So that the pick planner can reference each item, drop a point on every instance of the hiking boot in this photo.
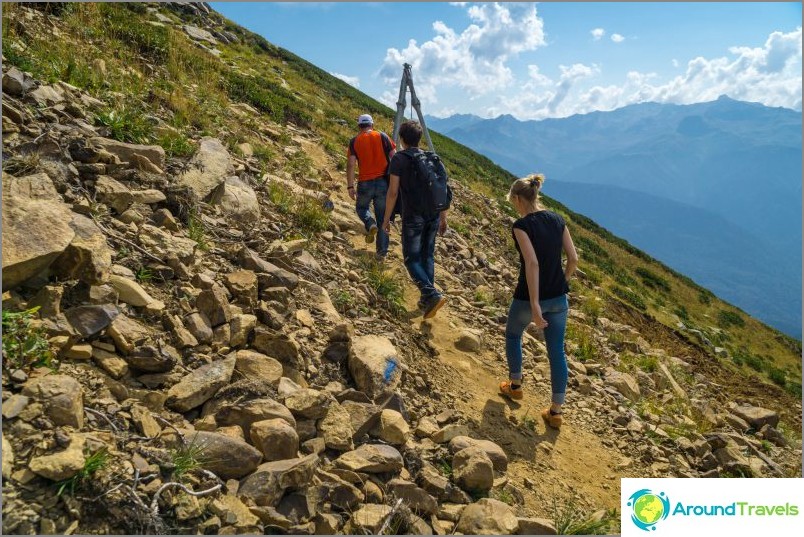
(551, 418)
(372, 234)
(511, 393)
(432, 306)
(380, 258)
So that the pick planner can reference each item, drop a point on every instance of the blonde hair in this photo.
(527, 188)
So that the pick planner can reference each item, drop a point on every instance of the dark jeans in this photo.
(418, 249)
(369, 192)
(554, 311)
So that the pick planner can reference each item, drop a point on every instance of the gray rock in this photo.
(473, 470)
(275, 438)
(536, 526)
(127, 333)
(278, 345)
(91, 320)
(130, 291)
(199, 34)
(199, 326)
(17, 83)
(126, 152)
(243, 286)
(497, 455)
(225, 456)
(414, 497)
(88, 257)
(469, 340)
(336, 428)
(246, 413)
(241, 327)
(215, 305)
(392, 428)
(153, 359)
(252, 364)
(488, 517)
(757, 417)
(36, 227)
(369, 518)
(371, 459)
(307, 403)
(374, 365)
(271, 480)
(272, 276)
(61, 396)
(200, 385)
(113, 193)
(364, 416)
(208, 169)
(238, 201)
(623, 383)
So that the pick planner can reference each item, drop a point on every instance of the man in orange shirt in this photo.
(371, 150)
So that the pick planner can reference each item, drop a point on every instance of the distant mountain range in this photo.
(712, 189)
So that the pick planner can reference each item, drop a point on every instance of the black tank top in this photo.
(545, 229)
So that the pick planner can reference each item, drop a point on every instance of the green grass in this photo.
(281, 197)
(176, 144)
(21, 165)
(186, 458)
(25, 345)
(503, 495)
(126, 124)
(727, 319)
(197, 231)
(93, 463)
(570, 519)
(144, 274)
(342, 300)
(310, 217)
(386, 284)
(629, 297)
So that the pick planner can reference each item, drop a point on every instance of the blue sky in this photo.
(549, 59)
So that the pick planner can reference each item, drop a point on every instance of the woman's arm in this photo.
(531, 274)
(572, 255)
(390, 202)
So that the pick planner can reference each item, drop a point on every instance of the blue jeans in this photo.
(369, 192)
(554, 311)
(418, 249)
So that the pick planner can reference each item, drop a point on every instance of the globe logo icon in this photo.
(648, 508)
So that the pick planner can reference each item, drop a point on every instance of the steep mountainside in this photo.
(197, 340)
(736, 160)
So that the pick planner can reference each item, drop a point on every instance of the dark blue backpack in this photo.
(432, 176)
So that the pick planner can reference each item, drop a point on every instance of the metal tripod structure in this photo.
(401, 104)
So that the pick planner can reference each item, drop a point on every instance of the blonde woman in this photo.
(541, 293)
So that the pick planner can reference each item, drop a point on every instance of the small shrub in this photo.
(504, 495)
(186, 458)
(92, 464)
(652, 280)
(144, 274)
(570, 520)
(727, 319)
(197, 231)
(176, 144)
(385, 284)
(630, 297)
(310, 217)
(21, 164)
(682, 313)
(705, 297)
(342, 300)
(126, 124)
(25, 346)
(777, 376)
(280, 197)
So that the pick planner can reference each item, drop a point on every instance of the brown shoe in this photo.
(553, 420)
(511, 393)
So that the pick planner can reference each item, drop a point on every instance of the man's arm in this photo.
(350, 176)
(390, 202)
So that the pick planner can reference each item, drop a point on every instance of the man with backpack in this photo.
(372, 151)
(420, 178)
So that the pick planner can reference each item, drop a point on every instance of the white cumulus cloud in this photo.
(475, 58)
(769, 74)
(617, 38)
(351, 80)
(598, 33)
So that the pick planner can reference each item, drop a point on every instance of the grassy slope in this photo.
(157, 71)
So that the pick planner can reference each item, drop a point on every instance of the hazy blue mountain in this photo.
(735, 264)
(740, 161)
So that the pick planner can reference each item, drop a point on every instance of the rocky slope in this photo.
(211, 349)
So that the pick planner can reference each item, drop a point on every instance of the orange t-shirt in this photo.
(370, 154)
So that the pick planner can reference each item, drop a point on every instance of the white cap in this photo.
(365, 119)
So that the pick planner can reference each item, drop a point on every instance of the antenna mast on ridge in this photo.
(401, 104)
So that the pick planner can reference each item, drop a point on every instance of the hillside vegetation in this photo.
(201, 309)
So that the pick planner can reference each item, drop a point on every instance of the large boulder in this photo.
(308, 403)
(62, 464)
(498, 457)
(756, 416)
(36, 227)
(473, 470)
(214, 303)
(195, 388)
(247, 413)
(414, 497)
(208, 169)
(488, 517)
(249, 260)
(278, 345)
(226, 456)
(17, 83)
(61, 396)
(127, 333)
(126, 152)
(165, 245)
(113, 193)
(374, 365)
(371, 459)
(238, 201)
(275, 438)
(392, 427)
(623, 383)
(271, 480)
(255, 365)
(88, 258)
